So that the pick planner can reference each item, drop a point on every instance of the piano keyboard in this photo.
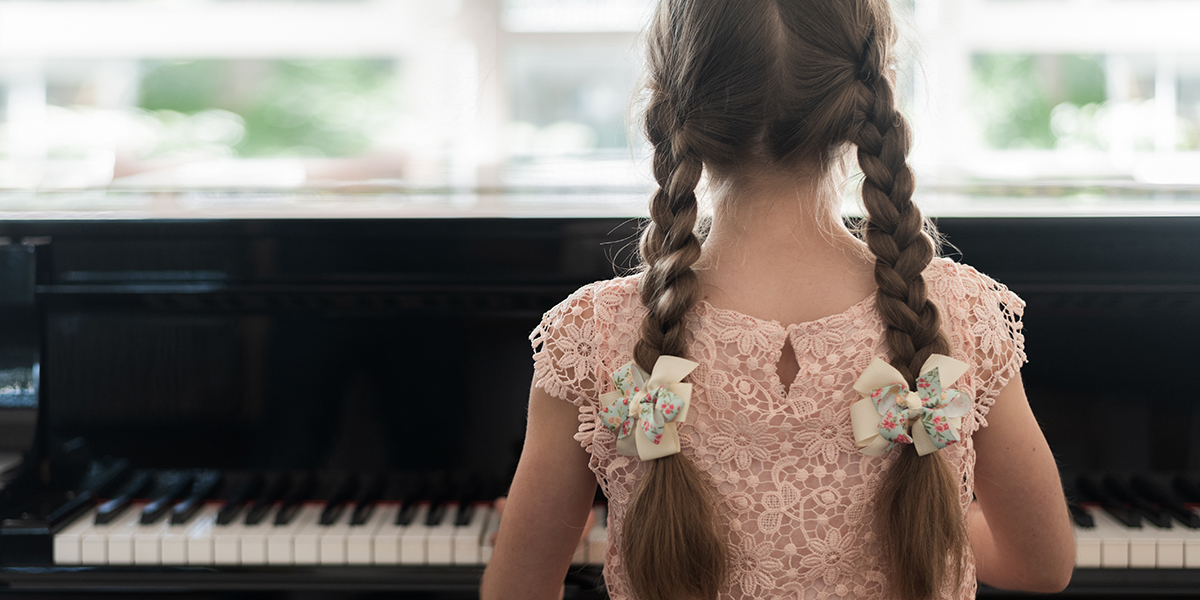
(1138, 522)
(277, 519)
(458, 538)
(1110, 544)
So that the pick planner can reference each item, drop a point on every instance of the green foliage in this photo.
(1015, 94)
(290, 108)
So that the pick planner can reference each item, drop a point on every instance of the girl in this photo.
(783, 485)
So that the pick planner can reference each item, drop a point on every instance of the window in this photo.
(536, 95)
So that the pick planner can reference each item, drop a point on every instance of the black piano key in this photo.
(466, 511)
(203, 486)
(362, 514)
(1166, 500)
(238, 496)
(364, 505)
(1155, 515)
(171, 487)
(113, 508)
(1080, 516)
(469, 490)
(101, 477)
(72, 508)
(1092, 490)
(437, 513)
(407, 513)
(273, 492)
(341, 493)
(412, 490)
(438, 498)
(294, 499)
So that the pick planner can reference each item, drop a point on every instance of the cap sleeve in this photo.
(566, 349)
(988, 332)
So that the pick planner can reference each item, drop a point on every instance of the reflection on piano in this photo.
(274, 405)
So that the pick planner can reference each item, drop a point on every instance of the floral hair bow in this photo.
(888, 410)
(653, 404)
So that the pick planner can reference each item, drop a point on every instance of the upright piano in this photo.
(267, 404)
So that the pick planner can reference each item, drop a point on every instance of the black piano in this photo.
(281, 405)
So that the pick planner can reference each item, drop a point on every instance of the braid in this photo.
(919, 550)
(675, 551)
(669, 246)
(895, 233)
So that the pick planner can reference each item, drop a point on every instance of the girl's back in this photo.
(798, 498)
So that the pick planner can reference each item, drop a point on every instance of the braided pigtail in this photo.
(710, 64)
(918, 501)
(675, 551)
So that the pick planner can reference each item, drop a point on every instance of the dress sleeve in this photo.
(566, 349)
(993, 328)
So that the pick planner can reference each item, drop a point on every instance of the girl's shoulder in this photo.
(595, 301)
(960, 283)
(983, 319)
(571, 341)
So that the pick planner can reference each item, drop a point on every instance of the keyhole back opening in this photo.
(787, 368)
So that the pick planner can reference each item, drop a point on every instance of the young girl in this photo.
(783, 410)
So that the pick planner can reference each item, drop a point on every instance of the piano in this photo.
(331, 405)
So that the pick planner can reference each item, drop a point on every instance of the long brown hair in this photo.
(785, 82)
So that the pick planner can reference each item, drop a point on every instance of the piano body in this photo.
(310, 404)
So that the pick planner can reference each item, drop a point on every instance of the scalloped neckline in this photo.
(852, 311)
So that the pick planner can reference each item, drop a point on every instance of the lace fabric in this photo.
(795, 495)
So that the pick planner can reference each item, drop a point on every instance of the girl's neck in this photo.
(779, 249)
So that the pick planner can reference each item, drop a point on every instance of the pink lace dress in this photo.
(796, 495)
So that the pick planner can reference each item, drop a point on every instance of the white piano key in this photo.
(597, 538)
(360, 548)
(173, 546)
(1191, 549)
(281, 544)
(93, 547)
(334, 537)
(413, 537)
(1169, 547)
(307, 544)
(227, 540)
(439, 542)
(1087, 547)
(1143, 547)
(252, 539)
(67, 542)
(489, 533)
(385, 543)
(1114, 541)
(468, 538)
(120, 537)
(147, 542)
(201, 535)
(1191, 544)
(175, 539)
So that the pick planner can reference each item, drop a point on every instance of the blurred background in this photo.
(1088, 96)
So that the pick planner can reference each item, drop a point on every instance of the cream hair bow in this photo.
(653, 404)
(888, 410)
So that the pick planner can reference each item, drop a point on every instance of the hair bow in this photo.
(888, 410)
(655, 404)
